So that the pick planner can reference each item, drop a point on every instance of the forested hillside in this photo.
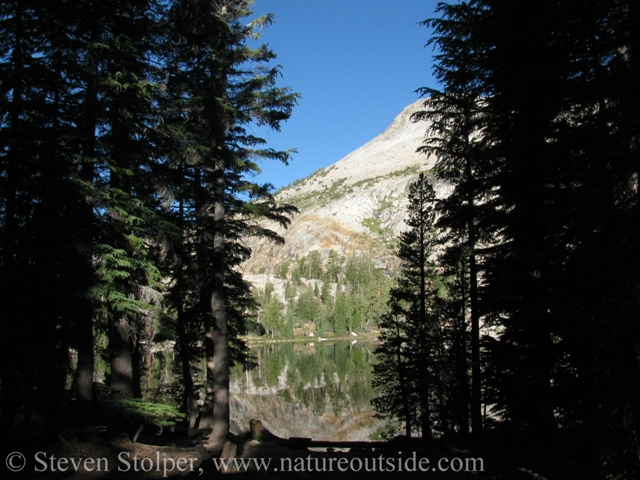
(314, 297)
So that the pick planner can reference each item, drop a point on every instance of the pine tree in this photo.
(394, 375)
(333, 267)
(454, 136)
(127, 266)
(410, 332)
(553, 182)
(342, 311)
(325, 294)
(227, 88)
(45, 230)
(126, 150)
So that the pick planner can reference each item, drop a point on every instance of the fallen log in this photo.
(261, 433)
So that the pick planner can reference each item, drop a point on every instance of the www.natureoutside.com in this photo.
(356, 464)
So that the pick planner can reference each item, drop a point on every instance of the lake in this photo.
(319, 390)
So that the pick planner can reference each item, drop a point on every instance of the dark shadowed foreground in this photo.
(260, 454)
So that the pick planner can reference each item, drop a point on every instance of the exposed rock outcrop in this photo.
(356, 204)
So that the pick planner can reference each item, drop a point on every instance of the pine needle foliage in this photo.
(405, 373)
(129, 143)
(535, 123)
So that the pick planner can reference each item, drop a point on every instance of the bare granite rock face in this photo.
(356, 204)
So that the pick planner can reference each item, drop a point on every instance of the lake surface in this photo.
(320, 390)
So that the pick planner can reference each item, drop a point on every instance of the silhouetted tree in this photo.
(394, 379)
(227, 89)
(410, 332)
(124, 162)
(537, 97)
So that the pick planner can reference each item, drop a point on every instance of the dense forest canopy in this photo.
(126, 150)
(536, 124)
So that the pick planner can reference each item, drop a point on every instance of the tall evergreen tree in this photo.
(128, 89)
(219, 87)
(394, 376)
(42, 236)
(125, 152)
(556, 192)
(455, 137)
(410, 332)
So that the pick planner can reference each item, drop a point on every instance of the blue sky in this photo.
(356, 63)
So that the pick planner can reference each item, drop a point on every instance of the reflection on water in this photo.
(321, 390)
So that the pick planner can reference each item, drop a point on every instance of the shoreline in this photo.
(367, 337)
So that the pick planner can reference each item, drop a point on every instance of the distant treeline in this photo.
(337, 295)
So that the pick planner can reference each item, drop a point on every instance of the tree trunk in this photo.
(136, 368)
(121, 365)
(462, 365)
(190, 399)
(84, 371)
(85, 368)
(406, 405)
(216, 330)
(476, 385)
(423, 357)
(9, 267)
(476, 379)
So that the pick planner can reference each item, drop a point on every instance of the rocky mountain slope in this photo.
(356, 204)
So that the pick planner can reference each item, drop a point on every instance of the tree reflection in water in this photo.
(320, 390)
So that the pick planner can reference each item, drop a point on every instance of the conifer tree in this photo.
(125, 188)
(454, 136)
(410, 332)
(125, 152)
(548, 98)
(394, 375)
(227, 88)
(43, 227)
